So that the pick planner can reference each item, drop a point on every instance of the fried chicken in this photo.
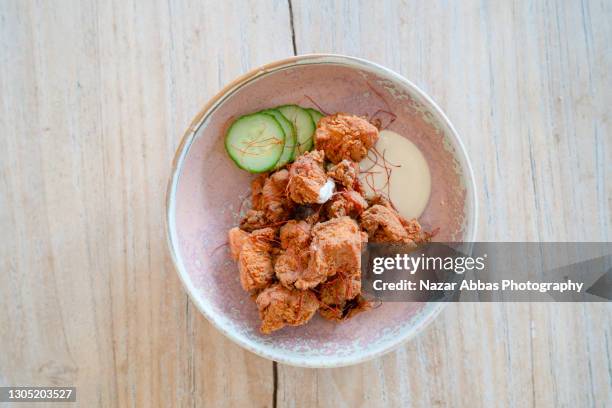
(413, 228)
(345, 311)
(336, 293)
(257, 191)
(382, 200)
(253, 220)
(308, 183)
(349, 203)
(295, 234)
(270, 203)
(335, 247)
(255, 260)
(274, 199)
(345, 173)
(236, 238)
(279, 306)
(342, 136)
(299, 246)
(384, 224)
(340, 288)
(415, 231)
(293, 260)
(290, 266)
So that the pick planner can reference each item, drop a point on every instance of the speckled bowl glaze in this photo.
(206, 195)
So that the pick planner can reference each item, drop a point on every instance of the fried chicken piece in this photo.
(349, 203)
(342, 136)
(383, 225)
(336, 293)
(341, 288)
(255, 260)
(382, 200)
(345, 173)
(254, 220)
(334, 313)
(308, 182)
(257, 185)
(346, 311)
(295, 234)
(293, 261)
(290, 266)
(309, 213)
(335, 247)
(314, 218)
(415, 231)
(412, 227)
(355, 306)
(279, 306)
(236, 238)
(274, 200)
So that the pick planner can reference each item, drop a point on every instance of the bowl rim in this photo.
(431, 309)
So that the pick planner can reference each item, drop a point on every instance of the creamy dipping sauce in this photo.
(409, 184)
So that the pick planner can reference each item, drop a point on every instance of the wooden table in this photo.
(94, 98)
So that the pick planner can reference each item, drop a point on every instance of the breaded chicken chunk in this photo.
(349, 203)
(295, 233)
(382, 200)
(308, 183)
(342, 136)
(253, 220)
(340, 296)
(415, 231)
(255, 260)
(257, 191)
(345, 173)
(290, 266)
(336, 293)
(413, 228)
(384, 224)
(309, 213)
(279, 306)
(270, 203)
(335, 248)
(340, 288)
(236, 238)
(274, 199)
(345, 311)
(292, 263)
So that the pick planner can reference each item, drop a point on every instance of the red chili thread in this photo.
(317, 105)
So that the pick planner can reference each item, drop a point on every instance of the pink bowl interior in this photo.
(208, 195)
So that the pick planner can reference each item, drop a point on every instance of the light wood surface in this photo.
(94, 96)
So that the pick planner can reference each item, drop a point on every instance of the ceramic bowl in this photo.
(207, 192)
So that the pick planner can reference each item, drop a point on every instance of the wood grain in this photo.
(526, 84)
(94, 97)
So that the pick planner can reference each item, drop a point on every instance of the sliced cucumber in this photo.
(304, 126)
(315, 115)
(255, 142)
(290, 137)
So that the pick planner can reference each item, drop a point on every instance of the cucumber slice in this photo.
(315, 115)
(255, 142)
(290, 137)
(304, 126)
